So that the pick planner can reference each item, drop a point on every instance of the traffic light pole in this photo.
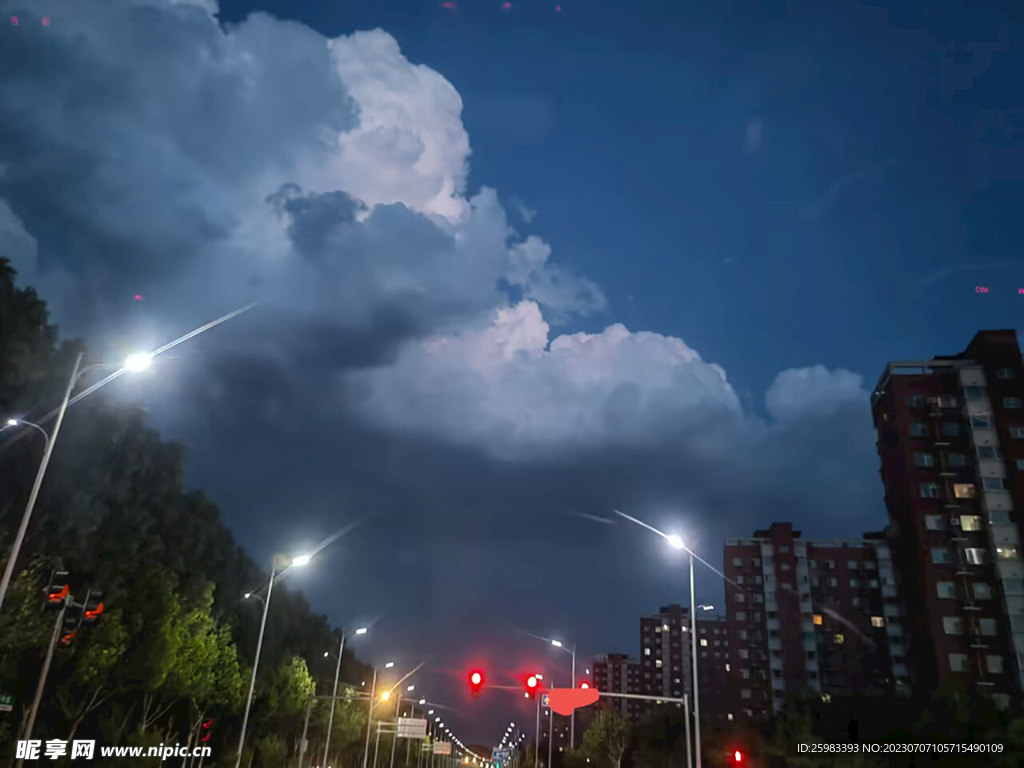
(330, 719)
(304, 744)
(43, 675)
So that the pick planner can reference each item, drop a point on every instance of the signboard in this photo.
(6, 702)
(412, 728)
(442, 747)
(545, 701)
(500, 755)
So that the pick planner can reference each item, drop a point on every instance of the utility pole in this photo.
(304, 744)
(54, 636)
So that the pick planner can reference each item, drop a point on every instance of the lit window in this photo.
(953, 625)
(729, 716)
(1007, 553)
(726, 667)
(657, 663)
(940, 555)
(647, 651)
(994, 664)
(1011, 402)
(839, 639)
(924, 460)
(933, 522)
(958, 662)
(976, 556)
(665, 627)
(929, 490)
(964, 490)
(704, 642)
(877, 621)
(946, 590)
(982, 591)
(970, 522)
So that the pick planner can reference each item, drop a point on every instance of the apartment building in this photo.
(665, 656)
(950, 436)
(811, 617)
(713, 668)
(618, 673)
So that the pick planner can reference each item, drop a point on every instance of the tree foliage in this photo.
(608, 736)
(176, 641)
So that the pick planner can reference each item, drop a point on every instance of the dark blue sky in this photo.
(799, 196)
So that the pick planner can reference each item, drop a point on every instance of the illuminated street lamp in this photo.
(299, 561)
(135, 363)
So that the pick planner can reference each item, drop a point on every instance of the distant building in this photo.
(951, 442)
(713, 666)
(811, 616)
(665, 654)
(618, 673)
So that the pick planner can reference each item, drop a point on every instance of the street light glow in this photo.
(140, 361)
(556, 643)
(361, 631)
(302, 560)
(389, 665)
(12, 422)
(423, 701)
(676, 542)
(385, 695)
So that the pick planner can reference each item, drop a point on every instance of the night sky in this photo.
(517, 267)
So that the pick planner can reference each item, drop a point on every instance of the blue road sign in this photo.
(544, 700)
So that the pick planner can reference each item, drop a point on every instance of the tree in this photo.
(608, 736)
(661, 737)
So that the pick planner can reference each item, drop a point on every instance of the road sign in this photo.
(501, 755)
(412, 728)
(544, 701)
(6, 702)
(442, 747)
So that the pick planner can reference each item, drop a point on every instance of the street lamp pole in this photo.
(255, 665)
(572, 720)
(12, 556)
(334, 696)
(693, 647)
(369, 717)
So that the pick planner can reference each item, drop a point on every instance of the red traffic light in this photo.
(584, 684)
(476, 678)
(737, 757)
(207, 727)
(531, 681)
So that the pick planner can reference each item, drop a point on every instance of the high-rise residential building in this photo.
(811, 616)
(713, 668)
(665, 653)
(618, 673)
(950, 436)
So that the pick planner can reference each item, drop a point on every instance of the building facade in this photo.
(950, 437)
(619, 673)
(811, 617)
(713, 668)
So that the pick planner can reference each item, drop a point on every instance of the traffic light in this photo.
(737, 757)
(92, 608)
(476, 682)
(532, 685)
(584, 684)
(56, 591)
(207, 731)
(69, 627)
